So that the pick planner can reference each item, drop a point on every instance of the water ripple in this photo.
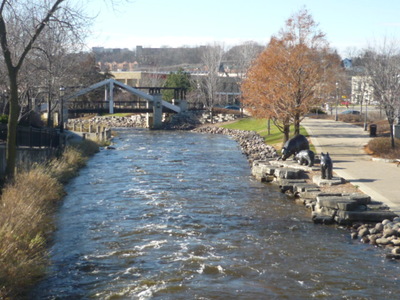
(177, 215)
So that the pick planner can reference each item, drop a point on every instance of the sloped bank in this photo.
(251, 143)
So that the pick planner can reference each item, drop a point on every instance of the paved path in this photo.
(344, 142)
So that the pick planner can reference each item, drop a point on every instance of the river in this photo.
(177, 215)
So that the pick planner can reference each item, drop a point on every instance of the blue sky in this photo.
(155, 23)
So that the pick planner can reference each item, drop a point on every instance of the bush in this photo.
(381, 147)
(24, 222)
(350, 118)
(221, 110)
(74, 157)
(317, 111)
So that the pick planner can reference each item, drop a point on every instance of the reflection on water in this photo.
(176, 215)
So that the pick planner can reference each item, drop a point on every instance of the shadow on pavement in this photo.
(361, 180)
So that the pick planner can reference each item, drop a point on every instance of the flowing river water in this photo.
(177, 215)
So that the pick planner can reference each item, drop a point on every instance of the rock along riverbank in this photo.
(251, 143)
(368, 220)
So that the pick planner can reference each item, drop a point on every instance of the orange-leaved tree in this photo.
(288, 78)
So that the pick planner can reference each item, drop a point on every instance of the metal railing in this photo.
(102, 106)
(33, 137)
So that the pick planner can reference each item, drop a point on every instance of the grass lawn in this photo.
(117, 115)
(275, 138)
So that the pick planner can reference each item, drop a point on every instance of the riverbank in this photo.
(26, 218)
(333, 201)
(250, 142)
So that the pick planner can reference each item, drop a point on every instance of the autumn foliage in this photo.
(291, 75)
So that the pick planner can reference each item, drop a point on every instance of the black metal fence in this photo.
(33, 137)
(103, 107)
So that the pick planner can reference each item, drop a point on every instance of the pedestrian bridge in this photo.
(150, 103)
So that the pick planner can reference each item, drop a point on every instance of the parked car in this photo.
(350, 112)
(234, 107)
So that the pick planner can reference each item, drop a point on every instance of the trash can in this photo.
(372, 130)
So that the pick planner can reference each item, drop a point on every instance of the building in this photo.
(347, 63)
(166, 56)
(118, 67)
(109, 50)
(362, 91)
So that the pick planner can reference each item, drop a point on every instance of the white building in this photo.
(361, 90)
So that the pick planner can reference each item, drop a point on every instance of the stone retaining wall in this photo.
(26, 157)
(109, 122)
(327, 208)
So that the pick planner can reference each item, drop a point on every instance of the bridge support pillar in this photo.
(181, 103)
(154, 120)
(157, 112)
(111, 98)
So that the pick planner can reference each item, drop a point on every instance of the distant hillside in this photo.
(149, 57)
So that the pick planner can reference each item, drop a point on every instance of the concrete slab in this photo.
(327, 182)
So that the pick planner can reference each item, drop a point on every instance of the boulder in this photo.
(288, 173)
(360, 198)
(286, 185)
(383, 241)
(305, 187)
(379, 227)
(322, 219)
(363, 232)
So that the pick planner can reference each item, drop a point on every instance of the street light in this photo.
(366, 113)
(337, 100)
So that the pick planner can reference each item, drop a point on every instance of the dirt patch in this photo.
(344, 188)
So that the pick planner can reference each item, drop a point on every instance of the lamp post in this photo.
(366, 114)
(62, 89)
(337, 101)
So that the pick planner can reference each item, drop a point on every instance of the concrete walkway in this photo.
(344, 142)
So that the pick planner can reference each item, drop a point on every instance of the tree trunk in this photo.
(286, 132)
(392, 143)
(11, 150)
(297, 124)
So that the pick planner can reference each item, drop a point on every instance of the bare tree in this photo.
(241, 57)
(21, 25)
(53, 62)
(212, 58)
(382, 65)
